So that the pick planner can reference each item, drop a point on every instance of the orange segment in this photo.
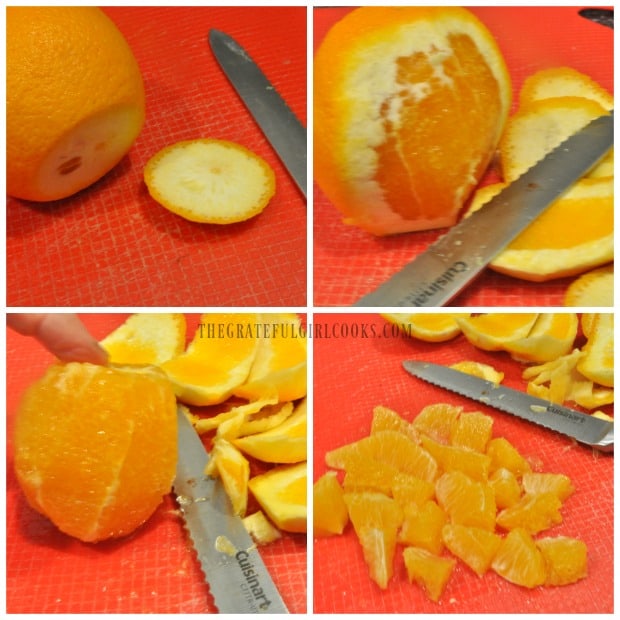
(376, 519)
(505, 456)
(216, 361)
(454, 458)
(282, 494)
(95, 447)
(422, 526)
(430, 571)
(409, 105)
(74, 99)
(389, 447)
(329, 511)
(466, 501)
(280, 363)
(437, 421)
(544, 482)
(210, 181)
(533, 513)
(474, 546)
(506, 487)
(566, 559)
(386, 419)
(472, 430)
(146, 339)
(519, 560)
(429, 327)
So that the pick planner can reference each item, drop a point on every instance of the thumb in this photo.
(64, 335)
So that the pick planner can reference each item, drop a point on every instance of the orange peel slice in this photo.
(210, 181)
(593, 289)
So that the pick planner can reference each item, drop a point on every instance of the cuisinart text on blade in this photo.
(437, 275)
(582, 427)
(237, 577)
(281, 127)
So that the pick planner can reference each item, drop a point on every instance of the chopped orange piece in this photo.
(472, 430)
(504, 455)
(210, 181)
(260, 528)
(506, 487)
(533, 512)
(370, 476)
(385, 419)
(430, 571)
(409, 105)
(437, 420)
(466, 501)
(329, 511)
(389, 447)
(519, 560)
(454, 458)
(539, 482)
(408, 490)
(474, 546)
(566, 559)
(376, 519)
(422, 526)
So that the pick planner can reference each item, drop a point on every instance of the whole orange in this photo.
(75, 99)
(95, 447)
(409, 106)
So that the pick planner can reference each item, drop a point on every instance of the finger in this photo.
(64, 335)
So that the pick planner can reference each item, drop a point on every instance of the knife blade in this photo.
(276, 120)
(437, 275)
(237, 577)
(582, 427)
(604, 17)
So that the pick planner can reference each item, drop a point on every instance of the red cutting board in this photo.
(112, 245)
(154, 570)
(357, 365)
(349, 263)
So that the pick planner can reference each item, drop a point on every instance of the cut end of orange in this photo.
(430, 327)
(409, 105)
(210, 181)
(592, 289)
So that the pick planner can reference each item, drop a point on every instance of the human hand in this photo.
(64, 335)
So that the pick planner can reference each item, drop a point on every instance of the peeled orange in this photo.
(75, 99)
(95, 447)
(409, 106)
(210, 181)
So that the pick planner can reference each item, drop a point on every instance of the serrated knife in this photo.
(236, 575)
(281, 127)
(443, 270)
(584, 428)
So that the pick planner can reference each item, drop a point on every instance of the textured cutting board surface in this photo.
(357, 365)
(349, 263)
(112, 245)
(154, 570)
